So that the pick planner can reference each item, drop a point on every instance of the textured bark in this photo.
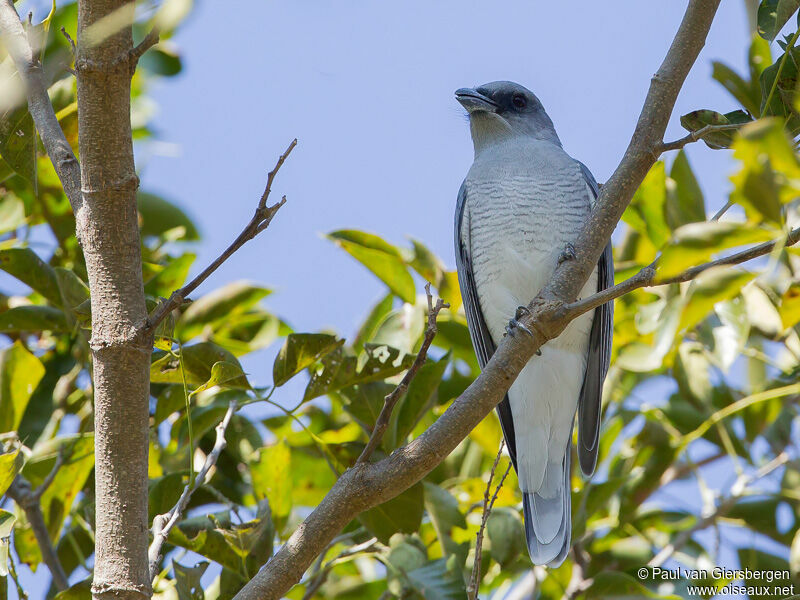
(367, 485)
(109, 235)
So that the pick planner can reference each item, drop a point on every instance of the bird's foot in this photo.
(514, 323)
(567, 254)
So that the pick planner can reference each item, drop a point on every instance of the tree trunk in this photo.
(108, 231)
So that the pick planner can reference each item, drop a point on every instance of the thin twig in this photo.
(391, 399)
(150, 40)
(260, 221)
(162, 524)
(30, 71)
(474, 580)
(647, 276)
(696, 136)
(738, 489)
(29, 500)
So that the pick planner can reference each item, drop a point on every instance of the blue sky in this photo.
(367, 88)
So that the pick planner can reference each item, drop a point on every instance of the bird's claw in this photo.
(567, 254)
(514, 323)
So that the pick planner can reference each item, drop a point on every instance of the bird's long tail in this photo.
(548, 521)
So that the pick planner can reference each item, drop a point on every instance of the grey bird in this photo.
(519, 209)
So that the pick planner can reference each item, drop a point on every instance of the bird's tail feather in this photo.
(548, 523)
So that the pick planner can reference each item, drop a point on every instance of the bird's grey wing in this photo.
(478, 331)
(599, 357)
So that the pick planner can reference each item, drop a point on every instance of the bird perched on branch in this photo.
(521, 205)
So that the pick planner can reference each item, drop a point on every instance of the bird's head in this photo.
(504, 109)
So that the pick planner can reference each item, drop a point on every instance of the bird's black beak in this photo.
(474, 101)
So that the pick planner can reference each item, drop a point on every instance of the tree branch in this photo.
(369, 484)
(391, 399)
(738, 489)
(475, 579)
(32, 76)
(28, 500)
(647, 277)
(162, 524)
(260, 221)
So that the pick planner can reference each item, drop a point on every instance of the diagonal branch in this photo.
(260, 221)
(369, 484)
(28, 500)
(162, 524)
(44, 117)
(391, 399)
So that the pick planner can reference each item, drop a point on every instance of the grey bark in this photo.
(108, 231)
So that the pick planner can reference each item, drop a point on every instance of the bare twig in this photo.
(29, 68)
(29, 500)
(260, 221)
(475, 578)
(695, 136)
(391, 399)
(150, 40)
(738, 489)
(162, 524)
(369, 484)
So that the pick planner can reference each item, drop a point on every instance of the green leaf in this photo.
(773, 15)
(710, 287)
(380, 257)
(171, 277)
(161, 60)
(225, 374)
(646, 212)
(435, 581)
(73, 290)
(203, 536)
(402, 328)
(78, 451)
(218, 306)
(613, 584)
(33, 318)
(717, 140)
(10, 464)
(403, 513)
(374, 318)
(25, 265)
(160, 217)
(7, 520)
(419, 398)
(12, 212)
(301, 350)
(163, 492)
(79, 591)
(187, 580)
(20, 373)
(271, 476)
(696, 243)
(739, 88)
(198, 360)
(506, 534)
(339, 369)
(443, 508)
(685, 203)
(18, 138)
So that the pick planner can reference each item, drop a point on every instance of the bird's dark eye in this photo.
(519, 101)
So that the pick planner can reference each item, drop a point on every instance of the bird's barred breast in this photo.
(520, 219)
